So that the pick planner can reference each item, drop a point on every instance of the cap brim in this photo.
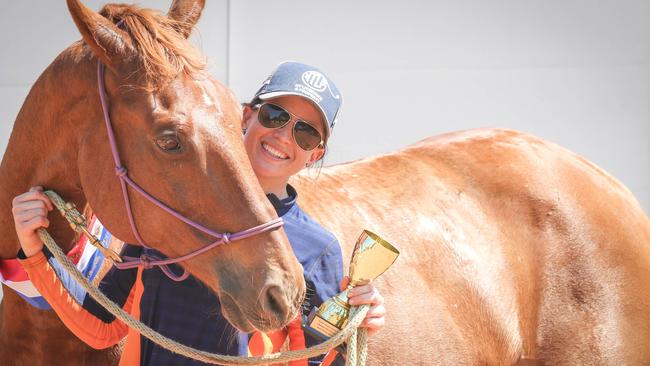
(276, 94)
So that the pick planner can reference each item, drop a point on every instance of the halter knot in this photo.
(225, 238)
(120, 171)
(146, 261)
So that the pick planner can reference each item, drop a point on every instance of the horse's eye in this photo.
(168, 143)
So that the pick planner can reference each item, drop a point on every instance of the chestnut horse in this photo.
(513, 251)
(179, 134)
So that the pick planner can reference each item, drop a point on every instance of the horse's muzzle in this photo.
(273, 309)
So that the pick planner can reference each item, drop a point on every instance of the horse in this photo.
(513, 251)
(179, 135)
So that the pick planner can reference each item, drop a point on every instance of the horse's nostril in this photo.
(275, 302)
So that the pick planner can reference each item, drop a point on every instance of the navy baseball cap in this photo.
(295, 78)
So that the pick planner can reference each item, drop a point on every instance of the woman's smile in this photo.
(275, 153)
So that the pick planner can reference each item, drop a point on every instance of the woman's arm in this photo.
(30, 211)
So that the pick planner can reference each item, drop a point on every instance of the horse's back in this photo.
(512, 247)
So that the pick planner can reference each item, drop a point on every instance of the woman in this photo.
(286, 128)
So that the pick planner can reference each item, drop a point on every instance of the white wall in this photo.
(576, 72)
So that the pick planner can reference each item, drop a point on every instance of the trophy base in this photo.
(321, 329)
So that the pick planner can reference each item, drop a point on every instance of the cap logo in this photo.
(317, 81)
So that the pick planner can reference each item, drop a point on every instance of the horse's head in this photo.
(179, 135)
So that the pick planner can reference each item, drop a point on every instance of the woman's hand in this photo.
(368, 294)
(30, 213)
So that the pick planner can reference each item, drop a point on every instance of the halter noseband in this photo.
(148, 261)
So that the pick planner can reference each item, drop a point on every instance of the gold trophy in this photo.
(371, 257)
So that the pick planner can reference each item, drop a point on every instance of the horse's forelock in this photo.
(162, 52)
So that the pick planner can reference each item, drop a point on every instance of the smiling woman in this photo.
(275, 148)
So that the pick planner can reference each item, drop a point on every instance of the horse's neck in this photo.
(328, 198)
(350, 197)
(42, 149)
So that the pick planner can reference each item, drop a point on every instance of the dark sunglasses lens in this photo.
(271, 116)
(307, 137)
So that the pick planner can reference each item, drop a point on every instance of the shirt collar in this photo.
(282, 206)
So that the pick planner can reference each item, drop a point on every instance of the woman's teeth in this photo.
(274, 152)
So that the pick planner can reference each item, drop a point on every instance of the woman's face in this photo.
(273, 153)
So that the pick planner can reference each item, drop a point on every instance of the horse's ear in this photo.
(186, 13)
(108, 43)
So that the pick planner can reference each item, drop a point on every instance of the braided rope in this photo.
(357, 349)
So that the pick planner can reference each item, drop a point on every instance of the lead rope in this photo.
(356, 349)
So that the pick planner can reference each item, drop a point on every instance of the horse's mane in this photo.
(162, 51)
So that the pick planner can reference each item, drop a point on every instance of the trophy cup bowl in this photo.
(371, 257)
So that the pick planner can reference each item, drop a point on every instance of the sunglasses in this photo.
(304, 134)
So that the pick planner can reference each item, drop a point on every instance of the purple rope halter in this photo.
(148, 261)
